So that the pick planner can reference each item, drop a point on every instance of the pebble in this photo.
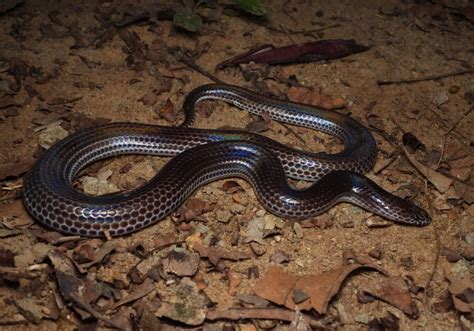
(440, 98)
(461, 267)
(223, 216)
(298, 230)
(260, 213)
(468, 252)
(361, 318)
(376, 254)
(237, 208)
(469, 238)
(257, 248)
(377, 222)
(450, 255)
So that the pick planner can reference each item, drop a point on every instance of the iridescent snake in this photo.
(203, 156)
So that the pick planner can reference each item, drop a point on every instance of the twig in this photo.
(180, 56)
(293, 132)
(28, 273)
(387, 163)
(260, 313)
(449, 131)
(421, 79)
(94, 313)
(433, 271)
(304, 31)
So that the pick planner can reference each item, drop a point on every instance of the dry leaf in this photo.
(441, 182)
(394, 291)
(278, 286)
(305, 95)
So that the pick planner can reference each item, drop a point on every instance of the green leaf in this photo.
(188, 21)
(253, 7)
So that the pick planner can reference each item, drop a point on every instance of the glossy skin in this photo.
(209, 155)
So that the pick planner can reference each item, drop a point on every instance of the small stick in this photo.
(180, 56)
(421, 79)
(94, 313)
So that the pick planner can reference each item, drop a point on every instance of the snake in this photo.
(201, 156)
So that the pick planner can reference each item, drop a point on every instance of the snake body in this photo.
(203, 156)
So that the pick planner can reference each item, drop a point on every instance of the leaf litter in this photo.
(200, 266)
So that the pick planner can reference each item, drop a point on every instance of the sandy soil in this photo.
(96, 83)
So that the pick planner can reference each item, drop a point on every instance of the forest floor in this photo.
(221, 262)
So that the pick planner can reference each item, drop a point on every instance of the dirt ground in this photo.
(66, 65)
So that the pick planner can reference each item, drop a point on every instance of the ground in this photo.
(65, 66)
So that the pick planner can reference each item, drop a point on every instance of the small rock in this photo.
(298, 230)
(275, 221)
(257, 248)
(376, 254)
(440, 98)
(260, 213)
(377, 222)
(450, 255)
(40, 251)
(95, 186)
(223, 216)
(468, 252)
(237, 208)
(30, 309)
(51, 134)
(461, 267)
(469, 238)
(280, 257)
(361, 318)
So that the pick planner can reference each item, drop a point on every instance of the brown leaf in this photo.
(461, 289)
(192, 209)
(149, 99)
(257, 126)
(441, 182)
(305, 95)
(235, 279)
(71, 287)
(231, 187)
(215, 254)
(167, 111)
(84, 253)
(394, 291)
(277, 286)
(137, 293)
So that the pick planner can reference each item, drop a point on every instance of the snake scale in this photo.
(203, 156)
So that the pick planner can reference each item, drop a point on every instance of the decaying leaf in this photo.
(192, 209)
(441, 182)
(181, 262)
(215, 254)
(394, 291)
(279, 287)
(307, 96)
(462, 293)
(184, 303)
(73, 289)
